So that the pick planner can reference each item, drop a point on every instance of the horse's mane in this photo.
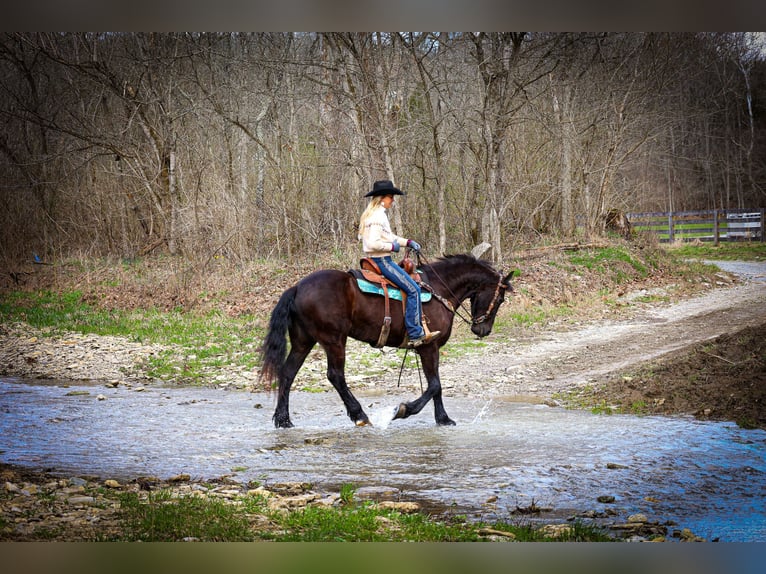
(443, 264)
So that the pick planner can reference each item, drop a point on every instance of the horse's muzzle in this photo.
(482, 329)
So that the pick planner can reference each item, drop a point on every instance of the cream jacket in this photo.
(377, 237)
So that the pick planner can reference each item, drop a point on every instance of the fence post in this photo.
(715, 227)
(671, 235)
(763, 224)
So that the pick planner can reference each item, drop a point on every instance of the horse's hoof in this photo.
(363, 423)
(282, 422)
(401, 412)
(448, 422)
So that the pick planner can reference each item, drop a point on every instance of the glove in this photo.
(413, 244)
(395, 246)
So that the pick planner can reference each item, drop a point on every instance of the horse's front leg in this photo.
(336, 361)
(430, 361)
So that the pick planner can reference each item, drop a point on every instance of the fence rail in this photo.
(712, 225)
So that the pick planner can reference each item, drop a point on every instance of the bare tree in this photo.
(260, 145)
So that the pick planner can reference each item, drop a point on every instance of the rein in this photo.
(448, 304)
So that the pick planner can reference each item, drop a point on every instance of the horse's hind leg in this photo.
(292, 365)
(336, 361)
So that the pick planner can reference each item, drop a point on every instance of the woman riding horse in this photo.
(327, 307)
(378, 241)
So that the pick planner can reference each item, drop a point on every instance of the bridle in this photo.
(498, 289)
(473, 321)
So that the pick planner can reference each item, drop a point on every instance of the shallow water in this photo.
(710, 477)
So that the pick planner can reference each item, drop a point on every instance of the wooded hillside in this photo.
(262, 145)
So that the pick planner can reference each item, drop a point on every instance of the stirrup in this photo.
(424, 340)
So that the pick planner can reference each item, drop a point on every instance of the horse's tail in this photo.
(274, 348)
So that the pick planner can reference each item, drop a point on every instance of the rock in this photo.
(71, 490)
(637, 518)
(29, 489)
(81, 500)
(290, 488)
(403, 507)
(101, 398)
(112, 483)
(329, 500)
(180, 478)
(25, 528)
(556, 530)
(260, 491)
(686, 535)
(606, 499)
(290, 502)
(492, 533)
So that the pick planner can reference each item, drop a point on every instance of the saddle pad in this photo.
(393, 293)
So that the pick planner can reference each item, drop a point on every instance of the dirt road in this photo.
(555, 362)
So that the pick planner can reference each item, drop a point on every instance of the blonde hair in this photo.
(374, 203)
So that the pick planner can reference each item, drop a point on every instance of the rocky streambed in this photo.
(40, 506)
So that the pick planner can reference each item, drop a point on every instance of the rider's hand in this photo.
(413, 244)
(395, 246)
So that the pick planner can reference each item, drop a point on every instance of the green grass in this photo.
(739, 250)
(205, 341)
(603, 260)
(160, 517)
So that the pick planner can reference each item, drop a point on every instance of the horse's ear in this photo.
(507, 278)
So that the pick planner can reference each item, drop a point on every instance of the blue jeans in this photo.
(412, 309)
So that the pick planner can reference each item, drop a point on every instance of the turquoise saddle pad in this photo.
(393, 293)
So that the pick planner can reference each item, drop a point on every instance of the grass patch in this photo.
(736, 250)
(199, 343)
(161, 516)
(603, 261)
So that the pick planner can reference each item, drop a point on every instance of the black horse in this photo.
(327, 307)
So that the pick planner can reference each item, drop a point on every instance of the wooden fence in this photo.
(713, 225)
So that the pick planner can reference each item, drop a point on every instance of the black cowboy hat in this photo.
(384, 187)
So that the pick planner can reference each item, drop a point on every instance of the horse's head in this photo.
(466, 277)
(486, 301)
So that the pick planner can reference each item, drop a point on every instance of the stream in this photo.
(502, 456)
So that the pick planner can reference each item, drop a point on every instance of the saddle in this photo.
(371, 280)
(371, 272)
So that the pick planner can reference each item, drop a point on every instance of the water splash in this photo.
(383, 416)
(482, 412)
